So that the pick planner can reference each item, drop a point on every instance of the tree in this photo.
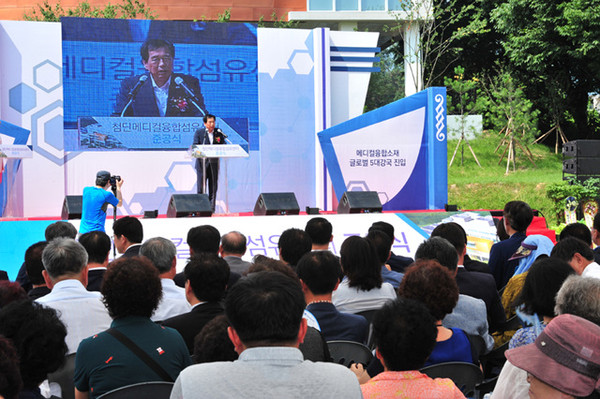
(387, 85)
(124, 9)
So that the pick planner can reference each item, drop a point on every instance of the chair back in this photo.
(64, 377)
(348, 352)
(152, 389)
(464, 375)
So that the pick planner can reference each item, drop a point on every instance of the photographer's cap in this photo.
(103, 174)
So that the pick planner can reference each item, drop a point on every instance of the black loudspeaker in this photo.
(276, 204)
(184, 205)
(581, 148)
(71, 208)
(582, 166)
(359, 202)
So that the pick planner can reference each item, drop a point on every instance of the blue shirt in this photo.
(390, 276)
(93, 216)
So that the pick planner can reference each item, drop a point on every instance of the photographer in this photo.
(96, 199)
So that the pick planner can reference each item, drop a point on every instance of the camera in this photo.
(114, 180)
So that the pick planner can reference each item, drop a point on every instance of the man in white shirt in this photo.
(163, 254)
(579, 255)
(66, 274)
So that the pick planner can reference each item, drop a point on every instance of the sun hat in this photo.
(566, 355)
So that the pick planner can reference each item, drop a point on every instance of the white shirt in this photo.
(162, 95)
(352, 300)
(82, 311)
(591, 270)
(173, 302)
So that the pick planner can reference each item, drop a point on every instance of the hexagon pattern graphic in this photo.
(53, 130)
(47, 76)
(22, 98)
(301, 62)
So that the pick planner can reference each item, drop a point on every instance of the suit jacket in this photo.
(475, 265)
(482, 286)
(144, 104)
(399, 263)
(133, 250)
(201, 137)
(190, 324)
(237, 264)
(95, 277)
(501, 268)
(336, 325)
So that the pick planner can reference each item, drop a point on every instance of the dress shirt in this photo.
(81, 310)
(162, 95)
(173, 302)
(591, 270)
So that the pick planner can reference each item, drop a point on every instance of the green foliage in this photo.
(558, 192)
(386, 86)
(124, 9)
(225, 16)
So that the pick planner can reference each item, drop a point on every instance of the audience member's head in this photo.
(360, 264)
(565, 358)
(405, 334)
(64, 258)
(439, 249)
(293, 243)
(10, 377)
(161, 252)
(127, 231)
(386, 227)
(131, 287)
(212, 344)
(33, 263)
(11, 292)
(517, 216)
(454, 234)
(319, 271)
(265, 309)
(205, 238)
(431, 283)
(543, 281)
(233, 243)
(97, 246)
(596, 229)
(577, 230)
(39, 338)
(208, 275)
(261, 263)
(579, 296)
(319, 230)
(60, 229)
(500, 230)
(382, 244)
(574, 251)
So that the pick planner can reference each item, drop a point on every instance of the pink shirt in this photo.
(409, 385)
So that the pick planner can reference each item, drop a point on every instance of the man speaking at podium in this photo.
(209, 135)
(160, 92)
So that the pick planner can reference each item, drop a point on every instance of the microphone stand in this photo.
(127, 106)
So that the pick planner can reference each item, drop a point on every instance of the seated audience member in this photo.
(206, 280)
(383, 248)
(470, 313)
(212, 344)
(362, 288)
(564, 361)
(320, 232)
(128, 236)
(318, 272)
(34, 268)
(397, 263)
(97, 246)
(578, 296)
(581, 231)
(405, 335)
(11, 292)
(10, 377)
(233, 247)
(474, 284)
(82, 311)
(131, 292)
(596, 233)
(265, 312)
(262, 263)
(54, 230)
(163, 255)
(579, 255)
(517, 217)
(292, 244)
(544, 279)
(500, 230)
(39, 338)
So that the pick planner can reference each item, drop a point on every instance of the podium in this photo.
(225, 151)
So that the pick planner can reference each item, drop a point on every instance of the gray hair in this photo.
(580, 296)
(64, 256)
(160, 251)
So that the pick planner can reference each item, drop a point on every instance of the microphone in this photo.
(134, 90)
(220, 131)
(179, 81)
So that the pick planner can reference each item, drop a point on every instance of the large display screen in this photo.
(213, 70)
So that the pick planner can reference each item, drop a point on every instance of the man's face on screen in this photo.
(159, 64)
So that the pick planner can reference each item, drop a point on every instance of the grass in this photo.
(472, 187)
